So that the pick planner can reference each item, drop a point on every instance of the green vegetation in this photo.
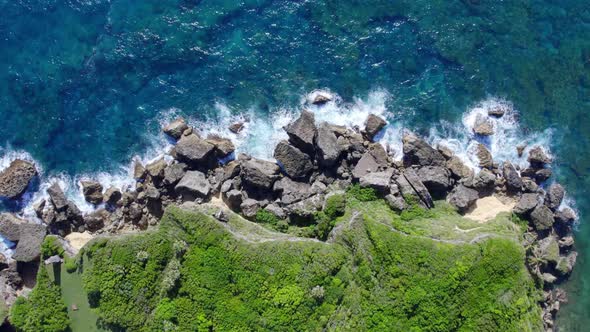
(362, 194)
(266, 217)
(51, 247)
(44, 310)
(193, 275)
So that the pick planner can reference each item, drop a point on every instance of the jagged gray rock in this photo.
(302, 132)
(555, 195)
(233, 199)
(28, 248)
(15, 179)
(373, 125)
(292, 191)
(462, 197)
(296, 164)
(57, 197)
(538, 157)
(193, 150)
(411, 185)
(542, 218)
(92, 191)
(10, 226)
(380, 181)
(259, 173)
(458, 169)
(437, 179)
(176, 128)
(112, 196)
(484, 156)
(483, 126)
(526, 203)
(328, 149)
(194, 183)
(156, 168)
(396, 202)
(249, 207)
(418, 152)
(173, 173)
(513, 179)
(223, 146)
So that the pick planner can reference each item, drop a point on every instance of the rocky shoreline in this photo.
(315, 158)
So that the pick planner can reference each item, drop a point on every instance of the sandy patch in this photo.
(78, 240)
(488, 208)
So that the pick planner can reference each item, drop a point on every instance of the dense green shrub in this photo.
(266, 217)
(414, 210)
(51, 247)
(369, 279)
(362, 194)
(44, 310)
(324, 225)
(71, 264)
(335, 206)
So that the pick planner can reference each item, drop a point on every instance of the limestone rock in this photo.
(483, 126)
(236, 128)
(259, 173)
(292, 191)
(10, 227)
(176, 128)
(484, 156)
(542, 218)
(302, 132)
(195, 151)
(555, 195)
(513, 180)
(380, 181)
(92, 191)
(112, 196)
(411, 185)
(328, 149)
(15, 179)
(194, 184)
(526, 203)
(233, 199)
(538, 157)
(249, 208)
(156, 168)
(497, 111)
(57, 197)
(437, 179)
(223, 146)
(173, 173)
(295, 163)
(28, 248)
(373, 125)
(418, 152)
(462, 197)
(458, 169)
(397, 203)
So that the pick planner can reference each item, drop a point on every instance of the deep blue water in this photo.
(83, 83)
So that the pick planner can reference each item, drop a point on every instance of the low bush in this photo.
(51, 247)
(266, 217)
(362, 194)
(335, 206)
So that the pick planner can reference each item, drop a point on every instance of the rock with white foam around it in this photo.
(373, 125)
(92, 191)
(176, 128)
(302, 132)
(418, 152)
(15, 179)
(483, 126)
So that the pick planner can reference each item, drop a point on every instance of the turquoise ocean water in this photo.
(85, 84)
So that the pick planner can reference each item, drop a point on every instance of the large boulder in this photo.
(410, 185)
(156, 168)
(538, 157)
(15, 179)
(259, 173)
(373, 125)
(458, 169)
(92, 191)
(10, 227)
(418, 152)
(484, 156)
(380, 181)
(112, 196)
(223, 146)
(542, 218)
(28, 248)
(547, 250)
(96, 220)
(526, 203)
(462, 197)
(483, 126)
(484, 181)
(302, 132)
(57, 197)
(373, 160)
(436, 178)
(173, 173)
(193, 184)
(194, 151)
(176, 128)
(233, 198)
(250, 207)
(328, 149)
(555, 195)
(513, 179)
(296, 164)
(292, 191)
(565, 264)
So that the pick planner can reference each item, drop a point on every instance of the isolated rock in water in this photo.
(458, 169)
(302, 132)
(483, 126)
(57, 196)
(112, 196)
(173, 173)
(380, 181)
(156, 169)
(436, 178)
(194, 151)
(15, 179)
(259, 173)
(497, 111)
(28, 248)
(176, 128)
(513, 180)
(223, 146)
(10, 227)
(520, 150)
(538, 157)
(236, 128)
(194, 183)
(410, 184)
(296, 164)
(418, 152)
(555, 195)
(321, 98)
(92, 191)
(373, 125)
(462, 197)
(542, 218)
(328, 149)
(484, 156)
(526, 203)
